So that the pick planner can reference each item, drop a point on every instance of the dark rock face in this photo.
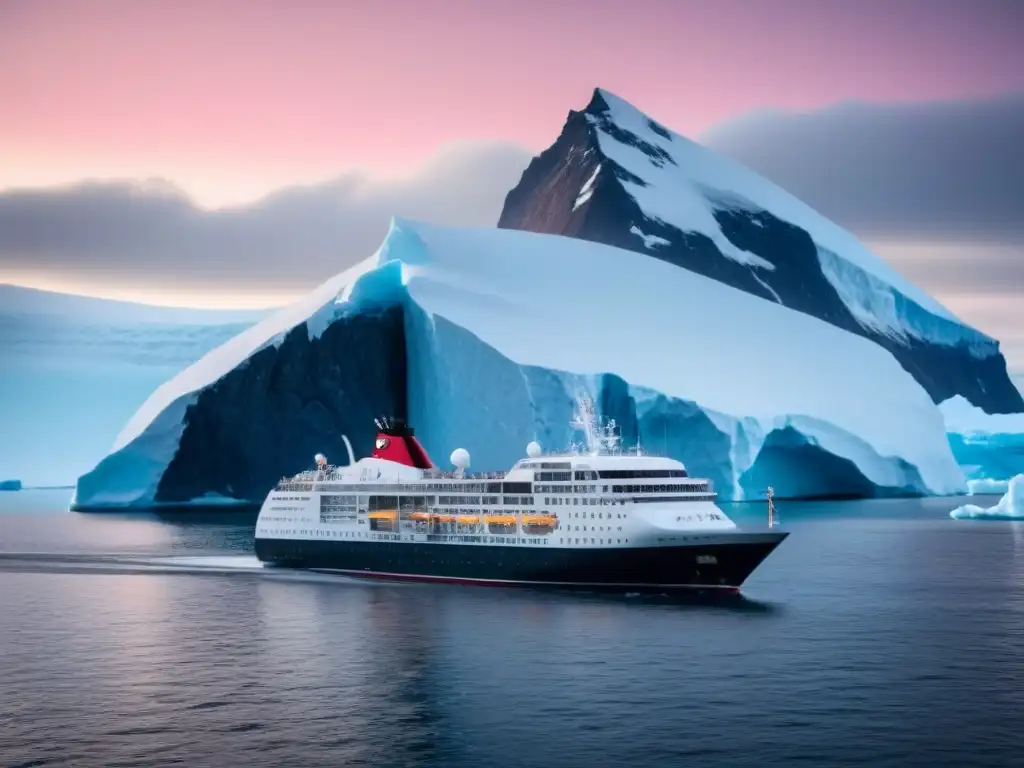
(547, 199)
(267, 418)
(812, 473)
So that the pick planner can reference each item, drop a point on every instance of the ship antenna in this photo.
(586, 421)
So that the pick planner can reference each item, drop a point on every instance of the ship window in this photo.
(624, 474)
(383, 502)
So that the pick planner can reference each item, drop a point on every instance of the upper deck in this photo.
(596, 467)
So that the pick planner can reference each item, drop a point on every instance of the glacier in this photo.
(482, 338)
(619, 177)
(75, 368)
(1009, 507)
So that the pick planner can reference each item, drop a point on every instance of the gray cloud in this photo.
(925, 172)
(936, 189)
(140, 234)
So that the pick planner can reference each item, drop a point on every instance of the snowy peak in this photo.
(617, 176)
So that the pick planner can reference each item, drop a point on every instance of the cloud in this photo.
(126, 234)
(921, 172)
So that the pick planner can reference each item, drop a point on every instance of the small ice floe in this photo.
(1010, 507)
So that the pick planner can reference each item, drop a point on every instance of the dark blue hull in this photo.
(659, 569)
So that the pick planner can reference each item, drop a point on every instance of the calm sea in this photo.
(879, 634)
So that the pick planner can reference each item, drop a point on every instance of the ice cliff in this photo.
(74, 368)
(482, 337)
(616, 176)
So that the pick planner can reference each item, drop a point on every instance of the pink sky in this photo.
(230, 98)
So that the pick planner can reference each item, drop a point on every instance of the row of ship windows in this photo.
(699, 516)
(503, 488)
(451, 537)
(517, 487)
(486, 501)
(608, 474)
(375, 502)
(377, 536)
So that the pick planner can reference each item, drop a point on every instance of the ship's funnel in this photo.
(396, 442)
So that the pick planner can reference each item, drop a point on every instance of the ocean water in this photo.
(880, 633)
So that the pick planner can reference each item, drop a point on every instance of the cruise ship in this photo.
(595, 517)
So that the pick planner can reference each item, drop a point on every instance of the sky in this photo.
(236, 152)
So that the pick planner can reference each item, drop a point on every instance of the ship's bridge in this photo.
(581, 467)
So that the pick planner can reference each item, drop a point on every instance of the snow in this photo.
(732, 352)
(685, 186)
(1010, 507)
(500, 321)
(587, 189)
(649, 240)
(73, 369)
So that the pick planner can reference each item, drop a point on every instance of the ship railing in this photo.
(291, 485)
(439, 474)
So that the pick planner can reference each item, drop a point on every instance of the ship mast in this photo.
(597, 439)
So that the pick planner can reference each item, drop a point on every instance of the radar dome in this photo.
(533, 450)
(320, 459)
(460, 458)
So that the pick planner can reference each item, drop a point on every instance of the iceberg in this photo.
(985, 445)
(481, 338)
(10, 485)
(1010, 507)
(619, 177)
(75, 368)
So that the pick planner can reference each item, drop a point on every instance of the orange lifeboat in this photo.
(541, 520)
(501, 520)
(469, 519)
(383, 514)
(419, 516)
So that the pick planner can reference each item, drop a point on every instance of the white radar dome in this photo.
(320, 459)
(460, 458)
(533, 450)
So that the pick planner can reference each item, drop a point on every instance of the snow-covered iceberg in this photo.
(616, 176)
(482, 337)
(1010, 507)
